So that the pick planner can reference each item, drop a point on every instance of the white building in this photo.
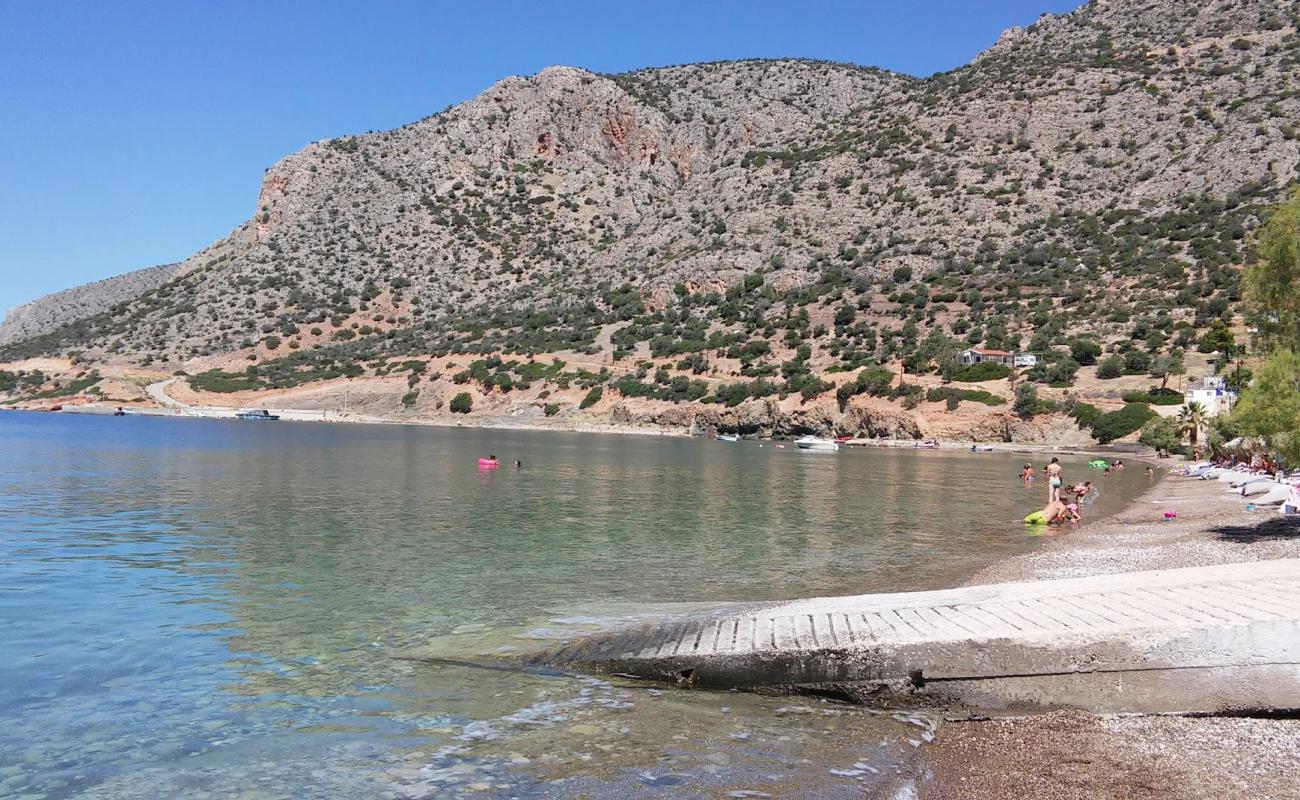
(1213, 393)
(978, 355)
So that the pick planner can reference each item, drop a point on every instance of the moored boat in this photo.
(816, 443)
(258, 414)
(728, 437)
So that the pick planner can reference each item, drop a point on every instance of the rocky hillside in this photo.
(1095, 176)
(53, 311)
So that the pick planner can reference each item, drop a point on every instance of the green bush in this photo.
(1109, 427)
(462, 403)
(215, 380)
(1155, 396)
(1137, 362)
(984, 371)
(950, 394)
(1161, 434)
(551, 409)
(1111, 367)
(1085, 414)
(1085, 351)
(593, 397)
(76, 386)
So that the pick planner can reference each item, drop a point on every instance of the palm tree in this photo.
(1191, 419)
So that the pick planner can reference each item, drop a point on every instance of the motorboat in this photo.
(259, 414)
(728, 437)
(816, 443)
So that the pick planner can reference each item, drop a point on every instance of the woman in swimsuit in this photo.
(1054, 480)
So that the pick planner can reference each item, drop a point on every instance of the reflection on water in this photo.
(212, 608)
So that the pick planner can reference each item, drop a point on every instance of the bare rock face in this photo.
(546, 188)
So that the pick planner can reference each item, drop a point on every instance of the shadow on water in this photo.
(1277, 527)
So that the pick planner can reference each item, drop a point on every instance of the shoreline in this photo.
(1137, 453)
(1075, 754)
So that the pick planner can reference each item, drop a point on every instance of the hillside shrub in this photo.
(984, 371)
(1161, 434)
(952, 395)
(75, 386)
(1155, 396)
(1111, 367)
(1028, 404)
(462, 403)
(593, 397)
(1137, 362)
(551, 409)
(1116, 424)
(1085, 351)
(215, 380)
(1085, 414)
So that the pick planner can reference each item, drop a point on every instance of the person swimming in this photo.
(1027, 474)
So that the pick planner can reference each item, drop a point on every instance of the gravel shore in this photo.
(1072, 754)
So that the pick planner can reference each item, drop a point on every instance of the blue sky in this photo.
(134, 133)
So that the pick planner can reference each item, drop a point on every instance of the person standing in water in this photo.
(1054, 481)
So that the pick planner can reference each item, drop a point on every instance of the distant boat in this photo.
(258, 414)
(728, 437)
(843, 439)
(815, 443)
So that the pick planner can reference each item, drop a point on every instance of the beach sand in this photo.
(1072, 754)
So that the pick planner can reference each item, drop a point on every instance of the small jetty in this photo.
(1181, 622)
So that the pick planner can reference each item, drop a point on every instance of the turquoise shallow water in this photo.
(210, 608)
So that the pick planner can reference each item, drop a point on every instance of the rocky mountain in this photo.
(52, 311)
(1094, 174)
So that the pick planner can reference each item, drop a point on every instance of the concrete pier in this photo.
(1238, 623)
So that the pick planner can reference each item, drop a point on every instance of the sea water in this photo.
(205, 608)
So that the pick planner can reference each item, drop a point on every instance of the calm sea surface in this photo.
(218, 609)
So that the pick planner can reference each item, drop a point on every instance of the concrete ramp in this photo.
(1197, 621)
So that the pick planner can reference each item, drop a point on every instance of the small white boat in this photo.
(728, 437)
(816, 443)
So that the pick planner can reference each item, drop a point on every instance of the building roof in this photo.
(986, 352)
